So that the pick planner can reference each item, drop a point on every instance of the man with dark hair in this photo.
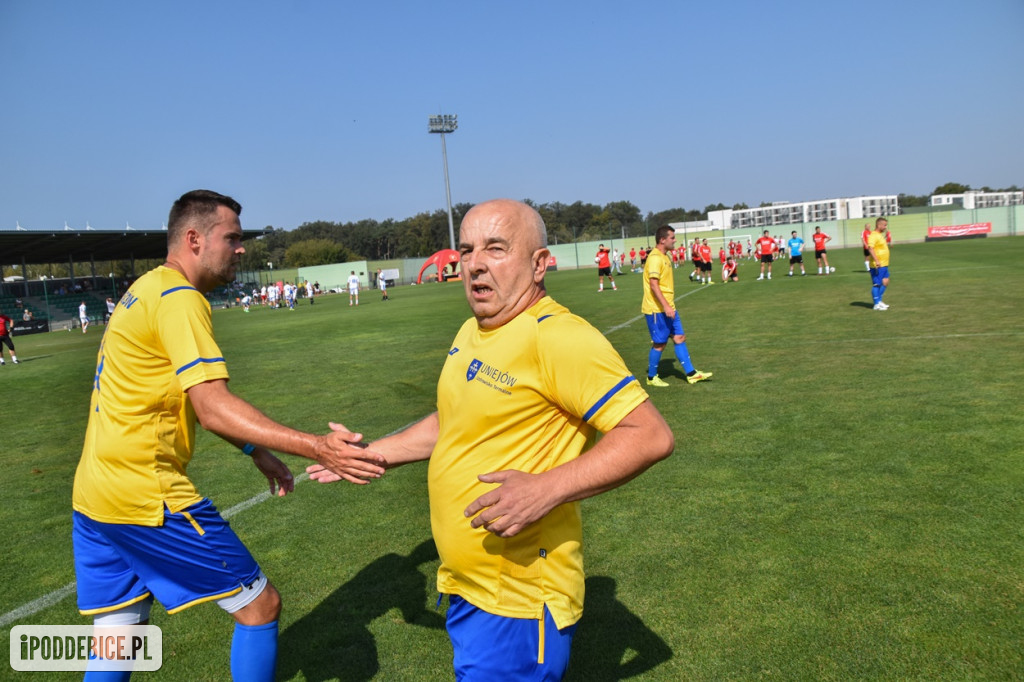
(141, 531)
(660, 311)
(820, 252)
(704, 251)
(767, 248)
(796, 256)
(729, 273)
(604, 268)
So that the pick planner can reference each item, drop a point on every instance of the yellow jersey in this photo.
(876, 241)
(528, 396)
(141, 431)
(658, 266)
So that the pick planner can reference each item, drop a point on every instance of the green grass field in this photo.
(844, 502)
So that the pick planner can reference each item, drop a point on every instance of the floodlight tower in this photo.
(446, 123)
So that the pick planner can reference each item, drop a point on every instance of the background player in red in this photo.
(695, 258)
(729, 271)
(604, 267)
(820, 254)
(864, 243)
(704, 251)
(6, 325)
(766, 245)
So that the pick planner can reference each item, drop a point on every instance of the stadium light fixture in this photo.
(441, 124)
(46, 295)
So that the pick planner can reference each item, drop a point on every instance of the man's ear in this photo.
(540, 264)
(193, 239)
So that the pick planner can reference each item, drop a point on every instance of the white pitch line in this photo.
(640, 317)
(47, 600)
(37, 605)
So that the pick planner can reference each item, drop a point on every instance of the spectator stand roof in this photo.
(82, 246)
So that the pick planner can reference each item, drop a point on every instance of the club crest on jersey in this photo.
(474, 367)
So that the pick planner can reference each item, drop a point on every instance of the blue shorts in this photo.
(878, 274)
(192, 558)
(662, 328)
(490, 647)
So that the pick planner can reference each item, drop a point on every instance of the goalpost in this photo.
(721, 242)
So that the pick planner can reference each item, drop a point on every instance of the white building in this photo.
(823, 210)
(976, 199)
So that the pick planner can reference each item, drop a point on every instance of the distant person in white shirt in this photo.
(353, 288)
(83, 316)
(382, 284)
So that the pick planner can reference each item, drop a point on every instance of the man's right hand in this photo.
(337, 453)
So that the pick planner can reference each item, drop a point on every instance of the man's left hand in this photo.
(281, 480)
(519, 500)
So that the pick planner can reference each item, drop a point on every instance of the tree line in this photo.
(322, 242)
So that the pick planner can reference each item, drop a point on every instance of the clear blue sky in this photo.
(306, 110)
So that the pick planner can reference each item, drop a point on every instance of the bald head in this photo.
(520, 217)
(502, 249)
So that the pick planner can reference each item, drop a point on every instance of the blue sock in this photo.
(683, 355)
(254, 652)
(881, 292)
(653, 358)
(107, 676)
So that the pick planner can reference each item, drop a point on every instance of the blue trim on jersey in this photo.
(541, 319)
(608, 396)
(173, 289)
(196, 362)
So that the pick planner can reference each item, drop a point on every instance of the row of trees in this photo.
(322, 242)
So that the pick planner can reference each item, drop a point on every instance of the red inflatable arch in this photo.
(445, 258)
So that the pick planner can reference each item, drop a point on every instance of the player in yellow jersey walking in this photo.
(878, 247)
(660, 311)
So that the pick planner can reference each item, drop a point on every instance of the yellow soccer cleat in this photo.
(698, 376)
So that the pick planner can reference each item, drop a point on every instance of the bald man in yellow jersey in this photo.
(141, 531)
(525, 388)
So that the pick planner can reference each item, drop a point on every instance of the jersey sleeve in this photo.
(186, 331)
(584, 373)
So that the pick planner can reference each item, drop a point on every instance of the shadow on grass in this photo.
(861, 304)
(669, 366)
(672, 368)
(334, 642)
(611, 643)
(33, 358)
